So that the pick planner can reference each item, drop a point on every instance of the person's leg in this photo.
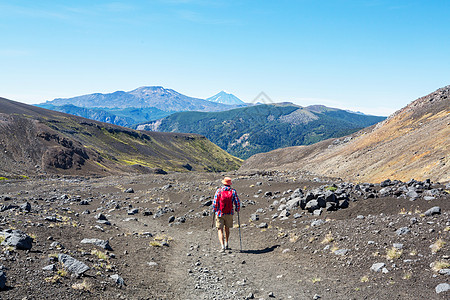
(228, 224)
(220, 225)
(220, 234)
(227, 235)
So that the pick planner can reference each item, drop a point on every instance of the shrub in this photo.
(331, 188)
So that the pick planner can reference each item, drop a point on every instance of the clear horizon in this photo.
(373, 56)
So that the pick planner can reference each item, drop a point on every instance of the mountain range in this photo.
(35, 140)
(139, 105)
(414, 142)
(245, 131)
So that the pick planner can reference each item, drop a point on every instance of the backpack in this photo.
(226, 201)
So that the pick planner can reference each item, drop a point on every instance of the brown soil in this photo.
(288, 260)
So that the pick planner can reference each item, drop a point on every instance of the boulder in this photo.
(117, 279)
(25, 206)
(317, 222)
(2, 280)
(442, 288)
(99, 243)
(343, 203)
(17, 238)
(341, 252)
(384, 192)
(377, 267)
(402, 231)
(129, 190)
(436, 210)
(330, 197)
(386, 183)
(312, 205)
(297, 193)
(321, 201)
(412, 194)
(101, 216)
(254, 217)
(72, 265)
(291, 204)
(285, 213)
(263, 225)
(133, 211)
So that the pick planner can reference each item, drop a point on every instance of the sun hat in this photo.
(226, 181)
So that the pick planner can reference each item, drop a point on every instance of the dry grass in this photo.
(315, 279)
(437, 246)
(364, 279)
(99, 254)
(334, 248)
(439, 265)
(53, 279)
(62, 273)
(293, 238)
(85, 285)
(155, 244)
(407, 275)
(328, 238)
(393, 253)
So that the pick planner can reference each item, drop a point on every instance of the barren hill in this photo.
(414, 142)
(34, 141)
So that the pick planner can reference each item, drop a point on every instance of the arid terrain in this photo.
(156, 240)
(412, 143)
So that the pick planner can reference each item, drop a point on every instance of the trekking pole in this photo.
(240, 239)
(212, 226)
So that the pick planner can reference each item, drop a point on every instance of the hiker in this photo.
(224, 199)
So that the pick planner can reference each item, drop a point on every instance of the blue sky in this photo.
(375, 56)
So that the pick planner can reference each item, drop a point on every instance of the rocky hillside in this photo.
(261, 128)
(34, 140)
(412, 143)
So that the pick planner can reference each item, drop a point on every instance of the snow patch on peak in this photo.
(226, 98)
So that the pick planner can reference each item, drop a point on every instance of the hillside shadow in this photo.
(262, 251)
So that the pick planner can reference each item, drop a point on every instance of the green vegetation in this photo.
(127, 147)
(250, 130)
(3, 178)
(331, 188)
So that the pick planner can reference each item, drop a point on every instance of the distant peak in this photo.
(226, 98)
